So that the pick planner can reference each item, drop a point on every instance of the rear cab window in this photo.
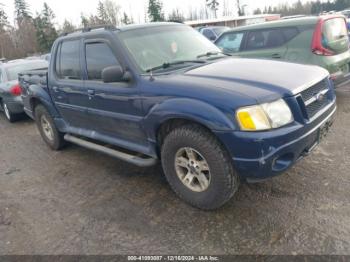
(68, 60)
(335, 35)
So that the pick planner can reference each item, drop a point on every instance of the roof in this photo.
(309, 20)
(228, 18)
(146, 25)
(111, 28)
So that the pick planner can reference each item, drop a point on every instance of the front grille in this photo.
(316, 98)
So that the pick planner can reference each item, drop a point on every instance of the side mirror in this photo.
(113, 74)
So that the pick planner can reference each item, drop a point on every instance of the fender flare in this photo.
(38, 93)
(187, 109)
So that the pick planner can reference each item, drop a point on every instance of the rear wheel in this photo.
(11, 117)
(198, 168)
(47, 128)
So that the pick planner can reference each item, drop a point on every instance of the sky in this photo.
(71, 9)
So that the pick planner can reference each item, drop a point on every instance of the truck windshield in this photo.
(166, 45)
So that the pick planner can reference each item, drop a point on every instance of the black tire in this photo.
(11, 117)
(55, 140)
(224, 181)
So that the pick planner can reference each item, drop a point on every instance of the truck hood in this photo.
(259, 79)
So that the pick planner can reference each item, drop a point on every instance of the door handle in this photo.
(91, 93)
(55, 89)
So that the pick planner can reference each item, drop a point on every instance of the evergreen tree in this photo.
(101, 13)
(126, 20)
(155, 11)
(21, 10)
(3, 20)
(67, 27)
(45, 30)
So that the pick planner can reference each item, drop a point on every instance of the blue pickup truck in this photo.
(163, 92)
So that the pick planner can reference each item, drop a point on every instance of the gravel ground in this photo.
(81, 202)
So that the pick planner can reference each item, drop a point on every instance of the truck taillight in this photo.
(16, 90)
(317, 45)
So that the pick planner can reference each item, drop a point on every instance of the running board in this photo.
(132, 159)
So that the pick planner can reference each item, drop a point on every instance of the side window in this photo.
(98, 57)
(264, 39)
(231, 42)
(68, 64)
(209, 34)
(290, 33)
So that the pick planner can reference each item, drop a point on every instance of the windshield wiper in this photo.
(169, 64)
(209, 54)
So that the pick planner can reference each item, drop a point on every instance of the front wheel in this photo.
(198, 168)
(47, 128)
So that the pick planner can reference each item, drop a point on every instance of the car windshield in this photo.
(166, 45)
(13, 70)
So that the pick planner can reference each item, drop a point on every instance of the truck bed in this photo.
(33, 77)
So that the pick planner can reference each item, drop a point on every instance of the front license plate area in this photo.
(323, 131)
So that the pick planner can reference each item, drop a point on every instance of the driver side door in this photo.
(114, 108)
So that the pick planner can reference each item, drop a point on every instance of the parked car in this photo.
(10, 91)
(46, 57)
(213, 32)
(321, 41)
(164, 92)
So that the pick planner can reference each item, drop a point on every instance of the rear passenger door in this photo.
(266, 43)
(114, 108)
(67, 86)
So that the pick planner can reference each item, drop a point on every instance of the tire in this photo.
(47, 128)
(221, 181)
(11, 117)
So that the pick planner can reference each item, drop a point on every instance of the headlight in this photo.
(265, 116)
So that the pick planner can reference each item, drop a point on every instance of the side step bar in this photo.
(138, 161)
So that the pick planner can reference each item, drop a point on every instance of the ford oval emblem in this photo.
(319, 97)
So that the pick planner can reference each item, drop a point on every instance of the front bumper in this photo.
(260, 155)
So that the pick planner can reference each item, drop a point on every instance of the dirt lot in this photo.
(81, 202)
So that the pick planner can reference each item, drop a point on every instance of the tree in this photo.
(101, 13)
(155, 11)
(257, 11)
(21, 10)
(112, 11)
(45, 30)
(67, 27)
(176, 16)
(3, 20)
(239, 8)
(213, 5)
(24, 37)
(84, 20)
(126, 20)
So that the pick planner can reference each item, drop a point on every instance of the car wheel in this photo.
(198, 168)
(47, 128)
(8, 114)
